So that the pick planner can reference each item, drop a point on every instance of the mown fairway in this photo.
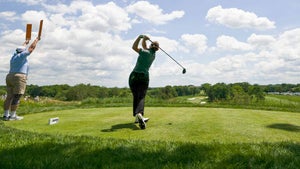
(175, 138)
(198, 125)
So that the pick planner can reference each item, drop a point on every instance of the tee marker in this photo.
(53, 120)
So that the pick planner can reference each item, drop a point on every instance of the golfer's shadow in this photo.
(116, 127)
(285, 126)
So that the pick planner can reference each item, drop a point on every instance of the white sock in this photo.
(6, 113)
(13, 114)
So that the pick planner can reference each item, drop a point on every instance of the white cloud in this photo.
(237, 18)
(84, 15)
(195, 42)
(8, 15)
(107, 17)
(31, 2)
(274, 60)
(153, 13)
(288, 45)
(166, 44)
(261, 41)
(84, 42)
(270, 66)
(73, 8)
(79, 45)
(228, 63)
(33, 17)
(230, 43)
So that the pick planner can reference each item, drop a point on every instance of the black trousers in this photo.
(138, 83)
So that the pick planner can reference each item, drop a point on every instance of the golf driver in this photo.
(184, 70)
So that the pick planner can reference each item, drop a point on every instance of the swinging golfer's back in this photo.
(139, 77)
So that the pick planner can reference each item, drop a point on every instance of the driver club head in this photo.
(183, 71)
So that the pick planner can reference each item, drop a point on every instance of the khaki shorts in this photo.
(15, 83)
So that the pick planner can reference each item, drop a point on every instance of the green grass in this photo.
(271, 102)
(186, 137)
(282, 100)
(170, 124)
(99, 133)
(293, 99)
(61, 152)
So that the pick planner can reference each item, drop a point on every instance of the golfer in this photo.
(16, 80)
(139, 77)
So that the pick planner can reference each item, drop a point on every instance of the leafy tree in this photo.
(167, 92)
(33, 90)
(2, 92)
(218, 92)
(296, 89)
(112, 92)
(81, 91)
(102, 92)
(124, 92)
(206, 87)
(239, 95)
(257, 91)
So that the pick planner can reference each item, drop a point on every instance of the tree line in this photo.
(237, 92)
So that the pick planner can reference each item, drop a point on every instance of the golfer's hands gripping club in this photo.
(144, 36)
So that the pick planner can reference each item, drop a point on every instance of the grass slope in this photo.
(170, 124)
(174, 138)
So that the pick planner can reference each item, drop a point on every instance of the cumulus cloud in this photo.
(33, 17)
(31, 2)
(274, 59)
(195, 42)
(287, 45)
(85, 15)
(8, 15)
(153, 13)
(101, 18)
(78, 45)
(237, 18)
(230, 43)
(84, 42)
(261, 41)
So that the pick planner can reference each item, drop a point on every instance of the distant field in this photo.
(284, 99)
(184, 124)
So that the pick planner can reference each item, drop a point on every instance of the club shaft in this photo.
(169, 55)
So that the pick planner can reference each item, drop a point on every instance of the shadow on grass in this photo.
(80, 153)
(29, 150)
(121, 126)
(285, 126)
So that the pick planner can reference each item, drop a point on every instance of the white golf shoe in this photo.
(144, 118)
(141, 121)
(16, 118)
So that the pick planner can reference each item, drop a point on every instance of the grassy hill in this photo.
(176, 137)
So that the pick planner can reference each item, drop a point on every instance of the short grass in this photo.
(183, 124)
(183, 137)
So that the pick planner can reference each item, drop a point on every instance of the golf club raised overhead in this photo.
(184, 70)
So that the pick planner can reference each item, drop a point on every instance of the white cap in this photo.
(20, 49)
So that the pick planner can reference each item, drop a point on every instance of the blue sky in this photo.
(216, 40)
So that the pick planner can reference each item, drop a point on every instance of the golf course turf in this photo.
(184, 124)
(175, 137)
